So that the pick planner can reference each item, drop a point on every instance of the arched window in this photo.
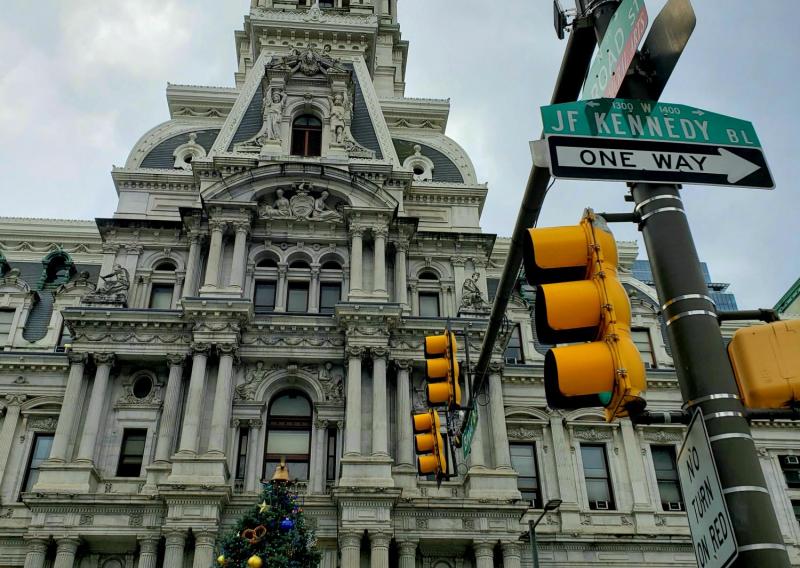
(306, 136)
(288, 434)
(166, 266)
(428, 275)
(298, 286)
(267, 263)
(429, 295)
(330, 286)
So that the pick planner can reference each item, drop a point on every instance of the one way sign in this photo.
(589, 157)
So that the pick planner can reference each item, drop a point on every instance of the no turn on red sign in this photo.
(709, 520)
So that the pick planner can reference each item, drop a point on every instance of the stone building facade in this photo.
(279, 251)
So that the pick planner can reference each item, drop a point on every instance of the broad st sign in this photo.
(709, 520)
(644, 141)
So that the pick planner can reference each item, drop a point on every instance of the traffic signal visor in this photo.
(766, 363)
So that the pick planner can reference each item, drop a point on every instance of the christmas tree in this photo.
(273, 534)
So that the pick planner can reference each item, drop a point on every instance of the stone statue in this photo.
(321, 211)
(471, 296)
(333, 385)
(254, 377)
(119, 284)
(309, 62)
(338, 116)
(279, 209)
(274, 103)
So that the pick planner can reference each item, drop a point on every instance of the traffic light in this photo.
(429, 444)
(442, 371)
(766, 363)
(580, 299)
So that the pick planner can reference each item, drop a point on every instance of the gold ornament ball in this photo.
(221, 560)
(255, 562)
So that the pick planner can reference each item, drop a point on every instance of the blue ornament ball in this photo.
(287, 524)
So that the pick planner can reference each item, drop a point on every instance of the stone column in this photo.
(400, 285)
(69, 408)
(313, 290)
(148, 552)
(477, 455)
(633, 451)
(350, 543)
(194, 401)
(320, 455)
(564, 472)
(12, 408)
(204, 549)
(221, 415)
(379, 263)
(379, 550)
(408, 553)
(177, 291)
(281, 289)
(502, 453)
(169, 412)
(405, 441)
(214, 253)
(356, 260)
(380, 408)
(239, 254)
(173, 549)
(253, 456)
(37, 551)
(65, 553)
(412, 286)
(192, 265)
(352, 438)
(94, 413)
(512, 555)
(458, 273)
(484, 554)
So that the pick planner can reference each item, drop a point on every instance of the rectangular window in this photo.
(297, 299)
(491, 287)
(598, 481)
(669, 487)
(6, 317)
(514, 348)
(131, 455)
(641, 338)
(161, 296)
(241, 457)
(330, 467)
(64, 339)
(429, 304)
(329, 295)
(523, 460)
(796, 507)
(791, 470)
(264, 297)
(41, 451)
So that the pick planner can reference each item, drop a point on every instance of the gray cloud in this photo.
(81, 81)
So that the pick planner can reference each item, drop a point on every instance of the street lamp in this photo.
(551, 505)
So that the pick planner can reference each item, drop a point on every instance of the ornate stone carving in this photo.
(301, 206)
(309, 61)
(129, 398)
(86, 520)
(660, 521)
(626, 521)
(353, 351)
(333, 385)
(663, 436)
(187, 153)
(43, 423)
(471, 295)
(422, 523)
(113, 290)
(593, 434)
(176, 359)
(103, 359)
(136, 519)
(253, 378)
(586, 520)
(524, 433)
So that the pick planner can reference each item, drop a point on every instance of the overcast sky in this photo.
(82, 80)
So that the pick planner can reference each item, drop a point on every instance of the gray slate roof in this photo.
(251, 121)
(443, 167)
(161, 156)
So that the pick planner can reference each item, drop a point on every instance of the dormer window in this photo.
(307, 136)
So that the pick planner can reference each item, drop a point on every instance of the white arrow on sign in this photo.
(725, 163)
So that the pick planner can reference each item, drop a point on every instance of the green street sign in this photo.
(647, 120)
(615, 53)
(469, 432)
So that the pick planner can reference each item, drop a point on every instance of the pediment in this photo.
(301, 185)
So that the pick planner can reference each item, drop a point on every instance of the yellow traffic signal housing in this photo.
(442, 371)
(429, 444)
(579, 298)
(766, 363)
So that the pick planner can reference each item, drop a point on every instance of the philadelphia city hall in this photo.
(279, 250)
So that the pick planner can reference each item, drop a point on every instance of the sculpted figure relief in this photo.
(274, 103)
(471, 296)
(254, 377)
(119, 284)
(302, 205)
(338, 116)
